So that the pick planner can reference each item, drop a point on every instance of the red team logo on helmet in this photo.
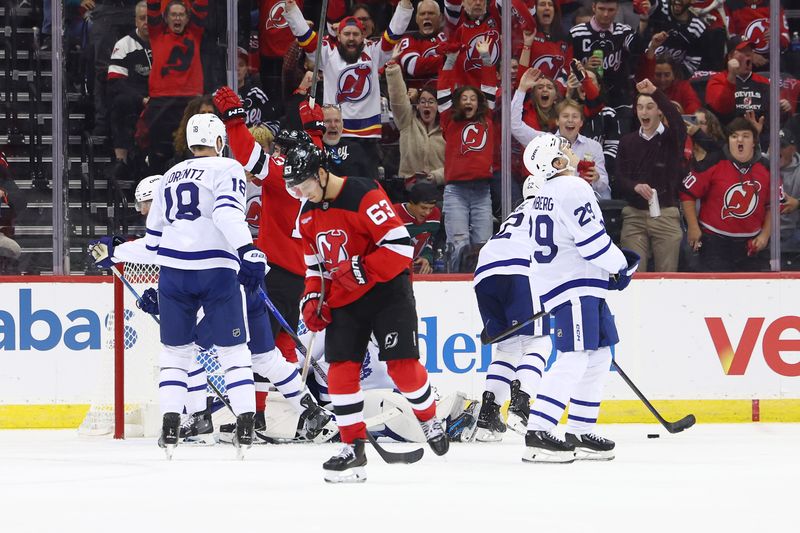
(473, 137)
(741, 200)
(331, 245)
(472, 61)
(355, 83)
(275, 19)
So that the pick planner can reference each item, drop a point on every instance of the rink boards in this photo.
(727, 350)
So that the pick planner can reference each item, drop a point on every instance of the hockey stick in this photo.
(288, 329)
(133, 291)
(673, 427)
(317, 55)
(396, 457)
(485, 339)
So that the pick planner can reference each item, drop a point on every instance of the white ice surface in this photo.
(711, 478)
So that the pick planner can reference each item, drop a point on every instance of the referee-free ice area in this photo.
(711, 478)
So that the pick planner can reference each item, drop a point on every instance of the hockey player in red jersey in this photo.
(419, 60)
(357, 254)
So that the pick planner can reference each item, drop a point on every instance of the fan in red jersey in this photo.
(357, 246)
(418, 59)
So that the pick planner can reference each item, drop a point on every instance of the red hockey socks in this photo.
(411, 379)
(348, 400)
(287, 346)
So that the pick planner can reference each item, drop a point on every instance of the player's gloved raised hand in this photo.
(622, 279)
(316, 313)
(253, 267)
(229, 105)
(102, 250)
(350, 274)
(149, 301)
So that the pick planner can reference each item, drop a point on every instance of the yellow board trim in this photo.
(612, 412)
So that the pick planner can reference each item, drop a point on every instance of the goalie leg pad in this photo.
(238, 377)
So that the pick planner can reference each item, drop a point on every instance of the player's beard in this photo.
(347, 55)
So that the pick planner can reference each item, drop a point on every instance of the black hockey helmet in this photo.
(302, 162)
(288, 138)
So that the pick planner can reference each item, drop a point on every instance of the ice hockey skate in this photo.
(463, 427)
(348, 465)
(435, 435)
(591, 447)
(490, 423)
(197, 430)
(544, 447)
(518, 409)
(319, 425)
(243, 437)
(170, 430)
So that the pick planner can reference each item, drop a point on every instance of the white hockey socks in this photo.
(535, 352)
(584, 405)
(238, 377)
(502, 370)
(283, 374)
(196, 382)
(555, 390)
(173, 377)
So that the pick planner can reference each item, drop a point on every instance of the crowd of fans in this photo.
(665, 102)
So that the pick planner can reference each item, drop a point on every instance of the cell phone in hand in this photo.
(691, 119)
(574, 68)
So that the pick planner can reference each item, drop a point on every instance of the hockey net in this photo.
(125, 400)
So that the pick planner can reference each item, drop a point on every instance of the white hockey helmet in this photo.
(204, 129)
(146, 189)
(542, 151)
(531, 186)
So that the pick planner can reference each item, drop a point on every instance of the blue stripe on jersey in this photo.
(550, 400)
(226, 197)
(151, 248)
(498, 378)
(287, 380)
(592, 238)
(574, 284)
(585, 404)
(230, 205)
(599, 253)
(198, 255)
(196, 372)
(539, 356)
(361, 123)
(505, 364)
(529, 367)
(153, 232)
(503, 263)
(292, 394)
(582, 419)
(197, 389)
(239, 383)
(172, 384)
(542, 415)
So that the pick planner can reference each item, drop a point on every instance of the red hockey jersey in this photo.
(359, 221)
(551, 57)
(274, 35)
(753, 24)
(733, 202)
(419, 60)
(176, 69)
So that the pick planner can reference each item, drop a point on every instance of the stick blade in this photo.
(684, 423)
(407, 458)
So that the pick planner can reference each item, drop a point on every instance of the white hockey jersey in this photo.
(353, 86)
(509, 251)
(573, 255)
(197, 220)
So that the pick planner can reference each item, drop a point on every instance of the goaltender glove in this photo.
(102, 251)
(229, 105)
(351, 274)
(622, 279)
(149, 301)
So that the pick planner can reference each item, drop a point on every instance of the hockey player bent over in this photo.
(503, 289)
(197, 228)
(357, 252)
(573, 260)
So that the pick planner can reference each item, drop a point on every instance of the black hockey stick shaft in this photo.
(396, 457)
(318, 54)
(485, 339)
(673, 427)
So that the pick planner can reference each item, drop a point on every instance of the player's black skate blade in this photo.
(436, 436)
(319, 425)
(170, 431)
(544, 447)
(243, 436)
(490, 423)
(518, 409)
(591, 447)
(348, 465)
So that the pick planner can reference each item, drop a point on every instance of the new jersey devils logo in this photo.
(275, 19)
(473, 137)
(741, 200)
(331, 245)
(355, 83)
(549, 65)
(757, 32)
(472, 61)
(253, 211)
